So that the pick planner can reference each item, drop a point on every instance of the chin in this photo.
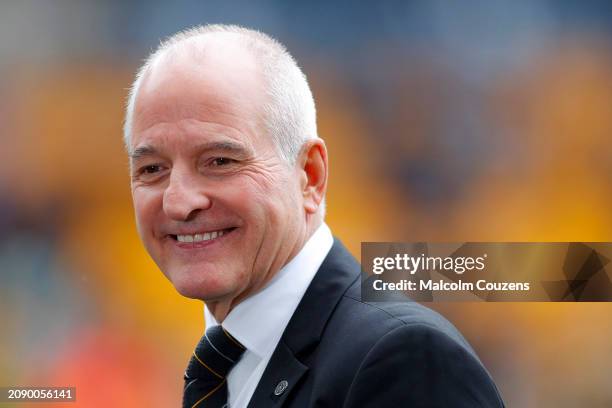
(201, 290)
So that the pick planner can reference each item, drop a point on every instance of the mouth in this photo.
(200, 238)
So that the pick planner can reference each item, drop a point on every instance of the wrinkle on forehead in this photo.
(161, 134)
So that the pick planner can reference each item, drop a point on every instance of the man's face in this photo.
(216, 207)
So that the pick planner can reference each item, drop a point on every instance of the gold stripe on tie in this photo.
(209, 369)
(209, 394)
(229, 336)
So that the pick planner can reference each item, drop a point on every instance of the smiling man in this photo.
(228, 184)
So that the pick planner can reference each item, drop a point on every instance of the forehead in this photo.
(213, 84)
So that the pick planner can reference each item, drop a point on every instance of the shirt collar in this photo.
(259, 321)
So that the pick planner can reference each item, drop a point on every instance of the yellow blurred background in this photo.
(483, 122)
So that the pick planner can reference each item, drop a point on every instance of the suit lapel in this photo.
(282, 373)
(338, 271)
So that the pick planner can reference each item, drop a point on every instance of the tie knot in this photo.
(215, 355)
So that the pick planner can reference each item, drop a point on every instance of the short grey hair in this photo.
(289, 115)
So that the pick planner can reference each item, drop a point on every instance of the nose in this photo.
(185, 196)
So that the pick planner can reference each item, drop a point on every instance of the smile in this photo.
(201, 237)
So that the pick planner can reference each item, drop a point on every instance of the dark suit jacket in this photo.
(338, 351)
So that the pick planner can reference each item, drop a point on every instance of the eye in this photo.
(149, 172)
(150, 169)
(222, 161)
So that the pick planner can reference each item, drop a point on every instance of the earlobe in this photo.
(313, 164)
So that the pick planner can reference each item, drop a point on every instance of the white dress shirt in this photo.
(259, 321)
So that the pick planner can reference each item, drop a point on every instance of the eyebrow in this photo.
(225, 146)
(142, 151)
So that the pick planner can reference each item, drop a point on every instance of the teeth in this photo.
(199, 237)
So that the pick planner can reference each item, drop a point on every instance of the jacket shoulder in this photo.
(391, 315)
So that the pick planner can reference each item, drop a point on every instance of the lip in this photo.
(200, 244)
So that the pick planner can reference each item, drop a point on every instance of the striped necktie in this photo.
(206, 374)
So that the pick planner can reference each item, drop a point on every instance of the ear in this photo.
(312, 165)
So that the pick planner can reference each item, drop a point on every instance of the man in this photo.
(228, 183)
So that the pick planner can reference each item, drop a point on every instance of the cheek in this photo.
(146, 205)
(247, 194)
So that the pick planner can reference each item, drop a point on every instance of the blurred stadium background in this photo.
(446, 121)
